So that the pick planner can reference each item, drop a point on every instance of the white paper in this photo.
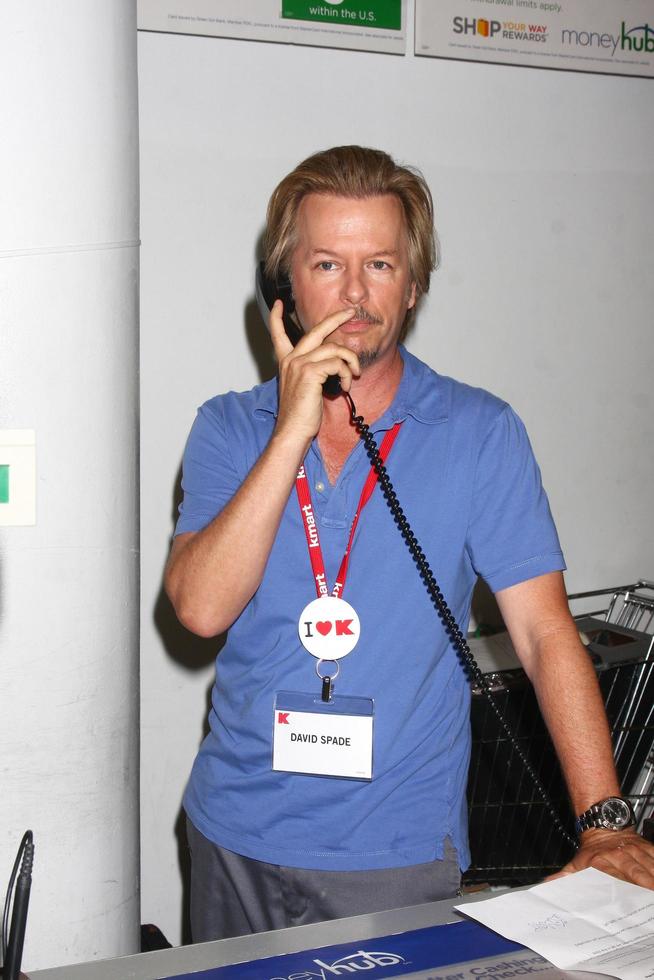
(584, 921)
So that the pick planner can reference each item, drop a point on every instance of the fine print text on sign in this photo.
(609, 36)
(357, 25)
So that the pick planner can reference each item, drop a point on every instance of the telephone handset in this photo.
(266, 292)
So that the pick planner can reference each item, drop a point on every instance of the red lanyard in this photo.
(311, 527)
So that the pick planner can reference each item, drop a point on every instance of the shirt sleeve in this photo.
(511, 535)
(209, 477)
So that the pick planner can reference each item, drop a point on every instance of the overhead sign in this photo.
(362, 25)
(608, 36)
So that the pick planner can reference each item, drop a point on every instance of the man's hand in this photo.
(623, 854)
(212, 574)
(547, 641)
(304, 369)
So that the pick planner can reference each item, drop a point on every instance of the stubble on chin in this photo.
(367, 357)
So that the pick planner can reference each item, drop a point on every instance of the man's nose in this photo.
(355, 289)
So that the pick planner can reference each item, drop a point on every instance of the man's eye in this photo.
(326, 266)
(380, 265)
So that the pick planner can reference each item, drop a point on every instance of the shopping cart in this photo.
(513, 838)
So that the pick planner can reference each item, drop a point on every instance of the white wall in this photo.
(542, 183)
(69, 359)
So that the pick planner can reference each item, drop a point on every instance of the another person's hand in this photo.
(623, 854)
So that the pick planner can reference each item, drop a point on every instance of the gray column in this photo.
(68, 370)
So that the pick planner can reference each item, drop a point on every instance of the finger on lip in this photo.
(333, 321)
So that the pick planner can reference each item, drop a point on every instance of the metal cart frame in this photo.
(512, 837)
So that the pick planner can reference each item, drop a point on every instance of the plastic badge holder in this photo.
(323, 738)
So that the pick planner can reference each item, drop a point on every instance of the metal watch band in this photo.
(613, 813)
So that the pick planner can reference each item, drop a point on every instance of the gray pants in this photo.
(233, 895)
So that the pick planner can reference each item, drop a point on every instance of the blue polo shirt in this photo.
(467, 480)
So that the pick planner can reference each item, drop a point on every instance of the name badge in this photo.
(318, 738)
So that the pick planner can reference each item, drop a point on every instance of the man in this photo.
(271, 844)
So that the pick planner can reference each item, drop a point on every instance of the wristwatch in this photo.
(613, 813)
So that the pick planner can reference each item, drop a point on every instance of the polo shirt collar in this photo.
(420, 395)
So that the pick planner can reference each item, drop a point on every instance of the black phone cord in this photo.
(458, 640)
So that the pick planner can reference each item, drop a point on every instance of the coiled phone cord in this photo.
(457, 638)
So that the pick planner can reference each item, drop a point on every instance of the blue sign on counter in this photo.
(381, 958)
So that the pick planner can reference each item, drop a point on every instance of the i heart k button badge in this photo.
(329, 628)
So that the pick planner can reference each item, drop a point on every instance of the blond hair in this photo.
(357, 172)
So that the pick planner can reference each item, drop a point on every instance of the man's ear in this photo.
(411, 300)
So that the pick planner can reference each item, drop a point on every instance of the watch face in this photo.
(615, 813)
